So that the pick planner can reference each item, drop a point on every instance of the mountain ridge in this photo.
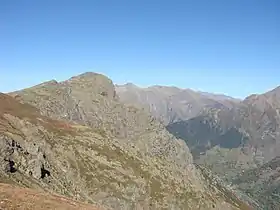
(171, 104)
(210, 94)
(76, 139)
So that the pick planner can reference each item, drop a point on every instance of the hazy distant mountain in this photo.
(219, 97)
(172, 104)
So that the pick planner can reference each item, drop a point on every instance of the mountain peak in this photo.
(130, 85)
(89, 76)
(93, 82)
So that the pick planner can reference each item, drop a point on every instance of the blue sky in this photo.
(221, 46)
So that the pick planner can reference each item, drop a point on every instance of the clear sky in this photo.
(222, 46)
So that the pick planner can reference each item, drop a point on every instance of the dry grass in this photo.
(16, 198)
(9, 105)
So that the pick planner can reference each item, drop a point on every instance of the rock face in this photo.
(171, 104)
(75, 138)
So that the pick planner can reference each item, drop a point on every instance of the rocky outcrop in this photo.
(76, 100)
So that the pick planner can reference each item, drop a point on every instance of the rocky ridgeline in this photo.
(171, 104)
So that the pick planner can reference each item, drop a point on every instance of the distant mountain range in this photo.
(227, 135)
(76, 138)
(172, 104)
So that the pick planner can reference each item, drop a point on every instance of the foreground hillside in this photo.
(12, 197)
(76, 139)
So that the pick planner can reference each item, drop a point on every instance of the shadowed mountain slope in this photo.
(263, 183)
